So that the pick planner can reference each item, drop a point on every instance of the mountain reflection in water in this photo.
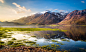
(73, 32)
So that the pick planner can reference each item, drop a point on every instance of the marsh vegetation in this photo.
(60, 39)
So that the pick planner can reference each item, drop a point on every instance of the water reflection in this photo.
(73, 39)
(48, 34)
(75, 32)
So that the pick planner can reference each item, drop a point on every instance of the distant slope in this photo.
(9, 24)
(46, 18)
(25, 20)
(75, 17)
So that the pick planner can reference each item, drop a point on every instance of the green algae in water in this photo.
(54, 41)
(36, 45)
(29, 42)
(35, 40)
(60, 43)
(10, 42)
(64, 40)
(19, 40)
(45, 47)
(48, 34)
(33, 36)
(28, 32)
(13, 38)
(17, 44)
(32, 43)
(55, 46)
(2, 43)
(4, 36)
(1, 33)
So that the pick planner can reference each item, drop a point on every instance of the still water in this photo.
(74, 39)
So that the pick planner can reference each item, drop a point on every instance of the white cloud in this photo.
(55, 9)
(58, 10)
(43, 12)
(2, 1)
(29, 10)
(66, 11)
(19, 6)
(49, 9)
(82, 1)
(20, 9)
(61, 10)
(17, 12)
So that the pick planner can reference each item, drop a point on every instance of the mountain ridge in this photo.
(75, 17)
(46, 18)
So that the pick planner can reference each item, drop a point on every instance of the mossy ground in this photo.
(30, 29)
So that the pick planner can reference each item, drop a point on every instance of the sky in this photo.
(15, 9)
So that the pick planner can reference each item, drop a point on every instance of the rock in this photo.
(0, 46)
(26, 49)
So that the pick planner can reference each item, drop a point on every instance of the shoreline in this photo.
(27, 49)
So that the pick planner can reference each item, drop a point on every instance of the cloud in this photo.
(17, 12)
(20, 9)
(29, 10)
(2, 1)
(55, 9)
(82, 1)
(61, 10)
(58, 10)
(43, 12)
(19, 6)
(49, 9)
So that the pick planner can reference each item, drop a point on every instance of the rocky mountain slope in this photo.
(46, 18)
(25, 20)
(75, 17)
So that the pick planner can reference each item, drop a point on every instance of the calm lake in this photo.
(74, 39)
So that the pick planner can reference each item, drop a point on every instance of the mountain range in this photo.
(61, 18)
(75, 17)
